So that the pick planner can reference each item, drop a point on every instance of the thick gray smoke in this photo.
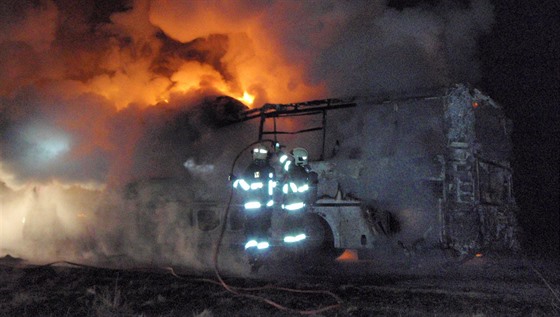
(103, 96)
(382, 49)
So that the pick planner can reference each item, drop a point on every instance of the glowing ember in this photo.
(348, 255)
(478, 255)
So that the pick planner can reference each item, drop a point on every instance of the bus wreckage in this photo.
(423, 172)
(426, 171)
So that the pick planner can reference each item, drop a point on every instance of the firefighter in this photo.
(257, 186)
(282, 163)
(280, 158)
(295, 190)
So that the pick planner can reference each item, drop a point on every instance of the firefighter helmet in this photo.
(260, 152)
(300, 156)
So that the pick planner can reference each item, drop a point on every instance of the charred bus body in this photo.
(428, 171)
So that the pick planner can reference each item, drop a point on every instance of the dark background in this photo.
(521, 64)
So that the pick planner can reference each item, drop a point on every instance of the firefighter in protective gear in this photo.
(257, 187)
(295, 190)
(284, 161)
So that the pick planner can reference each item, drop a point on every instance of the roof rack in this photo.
(314, 107)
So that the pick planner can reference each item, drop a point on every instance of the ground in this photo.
(411, 286)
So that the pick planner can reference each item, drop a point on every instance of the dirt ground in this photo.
(485, 286)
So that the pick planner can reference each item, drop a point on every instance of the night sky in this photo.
(521, 59)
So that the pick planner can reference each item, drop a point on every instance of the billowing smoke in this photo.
(348, 47)
(98, 95)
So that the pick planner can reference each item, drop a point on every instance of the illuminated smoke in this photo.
(101, 95)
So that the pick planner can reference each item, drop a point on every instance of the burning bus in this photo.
(408, 173)
(423, 171)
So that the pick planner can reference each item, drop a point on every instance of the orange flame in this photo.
(250, 65)
(348, 255)
(247, 98)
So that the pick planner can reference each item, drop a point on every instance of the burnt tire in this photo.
(323, 250)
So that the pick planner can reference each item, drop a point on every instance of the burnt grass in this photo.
(66, 290)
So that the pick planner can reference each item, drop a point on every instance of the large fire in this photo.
(218, 48)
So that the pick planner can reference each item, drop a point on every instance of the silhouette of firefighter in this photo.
(256, 186)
